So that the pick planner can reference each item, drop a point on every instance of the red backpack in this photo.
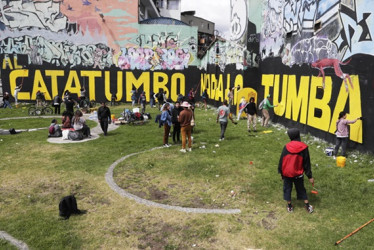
(51, 130)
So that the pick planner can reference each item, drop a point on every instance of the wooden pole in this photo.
(355, 231)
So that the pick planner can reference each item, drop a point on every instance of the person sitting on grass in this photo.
(66, 119)
(79, 124)
(54, 129)
(293, 163)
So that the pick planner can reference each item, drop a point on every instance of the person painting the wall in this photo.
(16, 91)
(293, 163)
(265, 111)
(205, 96)
(242, 105)
(342, 133)
(191, 96)
(133, 96)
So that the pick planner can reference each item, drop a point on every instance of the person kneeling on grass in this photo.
(54, 129)
(293, 163)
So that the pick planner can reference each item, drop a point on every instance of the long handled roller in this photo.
(355, 231)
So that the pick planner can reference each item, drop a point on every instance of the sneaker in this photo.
(189, 149)
(290, 209)
(166, 145)
(309, 209)
(221, 139)
(334, 157)
(249, 131)
(183, 150)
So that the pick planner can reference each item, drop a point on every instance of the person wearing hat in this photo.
(222, 117)
(184, 119)
(293, 164)
(265, 111)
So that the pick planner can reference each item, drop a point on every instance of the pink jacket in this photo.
(342, 127)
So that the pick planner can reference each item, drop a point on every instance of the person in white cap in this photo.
(184, 119)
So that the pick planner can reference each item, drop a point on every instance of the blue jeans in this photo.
(7, 104)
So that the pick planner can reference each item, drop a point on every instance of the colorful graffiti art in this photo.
(154, 59)
(64, 54)
(314, 30)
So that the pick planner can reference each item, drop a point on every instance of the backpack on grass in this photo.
(68, 206)
(75, 135)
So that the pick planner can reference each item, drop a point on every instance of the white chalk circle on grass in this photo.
(110, 180)
(17, 243)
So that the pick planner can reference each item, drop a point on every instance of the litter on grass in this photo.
(267, 131)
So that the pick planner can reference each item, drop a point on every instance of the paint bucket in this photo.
(329, 151)
(340, 161)
(113, 117)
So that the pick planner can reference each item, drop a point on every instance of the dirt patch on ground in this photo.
(156, 194)
(157, 235)
(270, 222)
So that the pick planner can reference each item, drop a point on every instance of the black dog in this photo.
(68, 206)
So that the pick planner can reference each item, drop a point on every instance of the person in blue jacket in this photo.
(166, 120)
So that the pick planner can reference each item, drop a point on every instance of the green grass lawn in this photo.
(35, 175)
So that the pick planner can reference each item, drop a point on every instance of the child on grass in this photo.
(293, 163)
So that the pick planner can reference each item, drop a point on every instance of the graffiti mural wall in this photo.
(70, 44)
(316, 61)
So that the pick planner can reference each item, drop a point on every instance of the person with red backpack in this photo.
(293, 163)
